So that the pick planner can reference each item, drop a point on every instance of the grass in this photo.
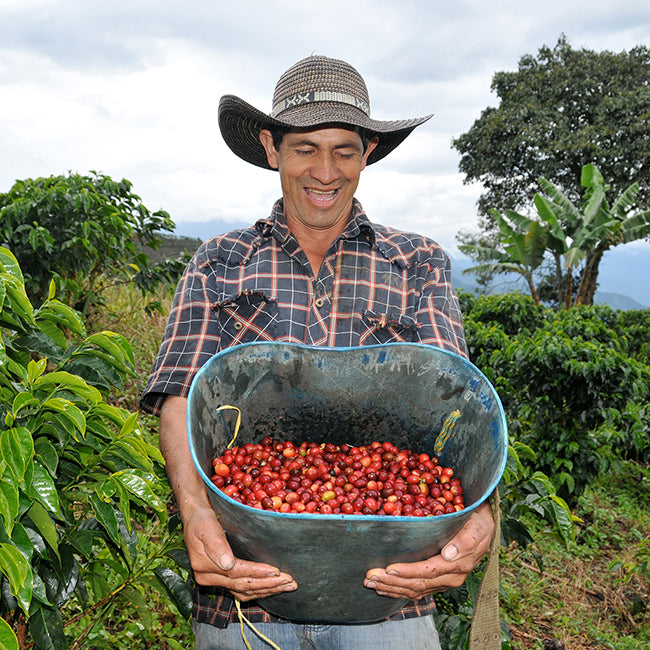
(592, 595)
(596, 593)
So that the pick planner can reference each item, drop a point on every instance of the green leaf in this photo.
(107, 518)
(9, 503)
(177, 589)
(563, 519)
(46, 626)
(139, 487)
(24, 401)
(43, 488)
(18, 571)
(47, 454)
(17, 450)
(69, 415)
(8, 640)
(63, 380)
(44, 525)
(35, 369)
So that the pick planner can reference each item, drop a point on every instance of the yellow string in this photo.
(237, 424)
(243, 619)
(447, 427)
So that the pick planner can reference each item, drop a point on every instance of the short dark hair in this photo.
(366, 136)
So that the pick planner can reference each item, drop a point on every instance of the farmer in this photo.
(316, 271)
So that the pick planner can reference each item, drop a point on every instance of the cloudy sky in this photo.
(130, 89)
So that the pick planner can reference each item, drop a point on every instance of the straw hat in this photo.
(316, 91)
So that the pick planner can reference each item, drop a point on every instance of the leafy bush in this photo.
(573, 384)
(83, 231)
(75, 474)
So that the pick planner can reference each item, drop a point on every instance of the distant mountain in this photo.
(617, 301)
(623, 280)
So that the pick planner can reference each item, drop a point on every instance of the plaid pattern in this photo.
(376, 285)
(216, 607)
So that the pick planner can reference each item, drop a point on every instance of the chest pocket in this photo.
(388, 328)
(246, 318)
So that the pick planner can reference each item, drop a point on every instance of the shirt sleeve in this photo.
(191, 337)
(439, 315)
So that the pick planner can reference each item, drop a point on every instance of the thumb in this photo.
(449, 552)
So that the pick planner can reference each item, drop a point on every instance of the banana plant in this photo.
(582, 234)
(521, 248)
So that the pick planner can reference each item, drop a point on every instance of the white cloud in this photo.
(131, 89)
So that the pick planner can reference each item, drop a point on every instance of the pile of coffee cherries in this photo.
(377, 479)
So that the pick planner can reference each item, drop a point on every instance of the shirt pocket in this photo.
(247, 317)
(390, 327)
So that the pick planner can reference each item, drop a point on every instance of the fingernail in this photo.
(392, 572)
(449, 553)
(371, 584)
(226, 561)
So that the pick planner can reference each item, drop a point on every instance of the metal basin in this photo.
(400, 392)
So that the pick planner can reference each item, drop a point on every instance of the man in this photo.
(318, 272)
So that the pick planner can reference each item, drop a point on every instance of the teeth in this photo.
(323, 192)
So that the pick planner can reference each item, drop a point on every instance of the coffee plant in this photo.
(76, 476)
(575, 384)
(87, 232)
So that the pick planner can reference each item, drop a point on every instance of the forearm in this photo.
(185, 481)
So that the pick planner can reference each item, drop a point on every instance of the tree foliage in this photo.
(561, 110)
(84, 231)
(75, 471)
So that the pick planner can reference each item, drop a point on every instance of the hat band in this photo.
(319, 96)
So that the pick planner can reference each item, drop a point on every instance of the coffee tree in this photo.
(75, 475)
(84, 231)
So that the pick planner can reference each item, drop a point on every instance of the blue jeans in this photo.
(413, 633)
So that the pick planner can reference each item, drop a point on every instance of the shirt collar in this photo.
(358, 226)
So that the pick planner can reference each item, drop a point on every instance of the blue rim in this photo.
(329, 517)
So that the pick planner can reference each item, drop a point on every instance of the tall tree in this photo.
(561, 110)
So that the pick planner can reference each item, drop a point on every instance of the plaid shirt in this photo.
(375, 285)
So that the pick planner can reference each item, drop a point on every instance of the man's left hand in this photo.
(456, 561)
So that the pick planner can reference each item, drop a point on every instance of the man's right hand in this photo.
(215, 565)
(210, 554)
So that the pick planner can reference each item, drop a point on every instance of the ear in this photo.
(369, 149)
(271, 153)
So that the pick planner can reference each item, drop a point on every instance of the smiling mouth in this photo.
(321, 196)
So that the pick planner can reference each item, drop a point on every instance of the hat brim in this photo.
(241, 123)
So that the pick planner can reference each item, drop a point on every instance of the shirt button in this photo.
(319, 302)
(237, 325)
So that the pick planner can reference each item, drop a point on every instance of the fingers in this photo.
(473, 539)
(214, 563)
(457, 560)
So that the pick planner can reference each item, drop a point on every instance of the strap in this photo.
(485, 633)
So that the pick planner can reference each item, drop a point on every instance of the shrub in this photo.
(569, 386)
(84, 232)
(75, 472)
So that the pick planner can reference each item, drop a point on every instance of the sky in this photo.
(131, 88)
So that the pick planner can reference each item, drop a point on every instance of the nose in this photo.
(324, 169)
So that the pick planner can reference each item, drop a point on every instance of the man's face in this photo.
(319, 173)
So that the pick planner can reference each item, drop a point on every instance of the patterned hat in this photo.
(317, 91)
